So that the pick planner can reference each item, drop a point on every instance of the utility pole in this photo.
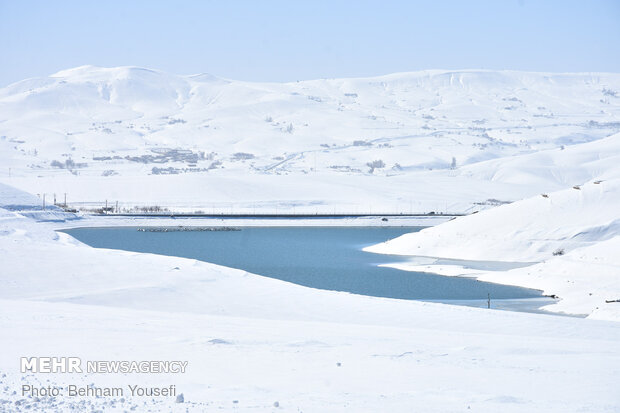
(488, 300)
(65, 199)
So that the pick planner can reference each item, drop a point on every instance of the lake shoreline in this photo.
(327, 258)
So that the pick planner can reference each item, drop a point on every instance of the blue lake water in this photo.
(329, 258)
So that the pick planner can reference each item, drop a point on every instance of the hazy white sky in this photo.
(293, 40)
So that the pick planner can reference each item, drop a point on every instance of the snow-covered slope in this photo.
(575, 233)
(13, 199)
(529, 230)
(431, 140)
(564, 166)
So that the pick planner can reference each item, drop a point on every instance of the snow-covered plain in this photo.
(536, 153)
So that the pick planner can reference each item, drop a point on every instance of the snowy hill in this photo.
(409, 142)
(526, 231)
(574, 234)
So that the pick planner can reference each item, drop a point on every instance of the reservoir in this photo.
(329, 258)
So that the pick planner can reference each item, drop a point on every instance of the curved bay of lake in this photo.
(329, 258)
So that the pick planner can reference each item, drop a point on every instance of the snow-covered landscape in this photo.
(530, 160)
(441, 141)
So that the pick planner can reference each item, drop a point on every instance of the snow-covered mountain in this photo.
(431, 140)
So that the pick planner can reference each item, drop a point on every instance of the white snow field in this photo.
(259, 344)
(535, 155)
